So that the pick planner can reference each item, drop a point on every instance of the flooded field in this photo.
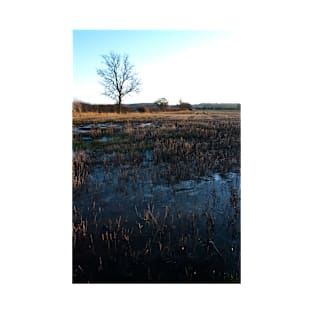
(157, 200)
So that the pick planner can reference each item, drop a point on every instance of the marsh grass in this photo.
(152, 247)
(93, 117)
(80, 168)
(156, 245)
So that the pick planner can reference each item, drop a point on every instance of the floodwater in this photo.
(122, 191)
(87, 128)
(106, 189)
(197, 239)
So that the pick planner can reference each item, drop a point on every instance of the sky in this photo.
(194, 66)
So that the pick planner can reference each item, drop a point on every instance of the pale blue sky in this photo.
(196, 66)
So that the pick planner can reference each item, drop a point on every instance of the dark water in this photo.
(105, 188)
(159, 205)
(123, 190)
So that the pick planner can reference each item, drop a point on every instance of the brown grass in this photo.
(94, 117)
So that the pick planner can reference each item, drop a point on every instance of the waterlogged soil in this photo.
(117, 193)
(107, 195)
(142, 222)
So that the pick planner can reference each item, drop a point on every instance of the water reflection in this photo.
(106, 188)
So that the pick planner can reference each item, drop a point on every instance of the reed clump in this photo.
(150, 246)
(80, 168)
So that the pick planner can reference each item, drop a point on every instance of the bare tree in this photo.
(118, 77)
(161, 103)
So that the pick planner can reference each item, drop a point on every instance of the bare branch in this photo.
(118, 77)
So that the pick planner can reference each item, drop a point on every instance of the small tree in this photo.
(118, 77)
(161, 103)
(184, 105)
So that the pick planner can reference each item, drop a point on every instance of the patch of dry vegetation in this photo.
(80, 169)
(94, 117)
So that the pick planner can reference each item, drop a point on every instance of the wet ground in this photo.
(200, 218)
(108, 188)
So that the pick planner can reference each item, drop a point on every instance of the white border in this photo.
(36, 155)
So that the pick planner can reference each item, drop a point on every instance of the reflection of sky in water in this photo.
(107, 190)
(115, 196)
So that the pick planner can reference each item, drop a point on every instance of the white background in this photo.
(276, 97)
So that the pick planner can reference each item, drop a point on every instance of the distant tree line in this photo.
(157, 106)
(81, 107)
(216, 106)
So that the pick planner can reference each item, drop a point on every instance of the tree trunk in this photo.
(120, 103)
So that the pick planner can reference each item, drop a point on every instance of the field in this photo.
(86, 117)
(156, 197)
